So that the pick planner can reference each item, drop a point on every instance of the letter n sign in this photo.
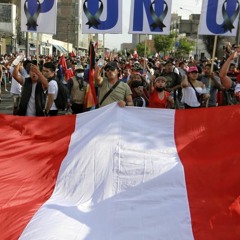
(150, 17)
(102, 16)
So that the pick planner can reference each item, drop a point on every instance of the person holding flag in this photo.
(110, 88)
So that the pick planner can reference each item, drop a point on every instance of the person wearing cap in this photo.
(192, 89)
(158, 97)
(77, 88)
(120, 93)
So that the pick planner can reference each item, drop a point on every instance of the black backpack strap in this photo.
(108, 92)
(197, 93)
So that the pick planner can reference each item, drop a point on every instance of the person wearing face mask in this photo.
(158, 97)
(77, 88)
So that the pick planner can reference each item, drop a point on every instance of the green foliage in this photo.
(141, 49)
(164, 43)
(185, 47)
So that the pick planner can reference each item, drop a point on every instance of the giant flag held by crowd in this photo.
(219, 17)
(102, 16)
(39, 16)
(121, 173)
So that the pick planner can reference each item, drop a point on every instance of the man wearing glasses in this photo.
(110, 88)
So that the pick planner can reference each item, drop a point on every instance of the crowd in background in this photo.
(151, 82)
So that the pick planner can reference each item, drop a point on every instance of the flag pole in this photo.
(145, 52)
(212, 65)
(37, 48)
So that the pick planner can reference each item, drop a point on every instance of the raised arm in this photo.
(18, 77)
(97, 75)
(226, 80)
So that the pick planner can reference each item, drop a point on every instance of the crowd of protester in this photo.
(129, 80)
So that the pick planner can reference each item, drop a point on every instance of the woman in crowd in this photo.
(158, 97)
(192, 89)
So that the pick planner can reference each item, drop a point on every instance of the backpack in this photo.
(62, 96)
(139, 102)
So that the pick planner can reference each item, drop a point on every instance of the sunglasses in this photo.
(110, 69)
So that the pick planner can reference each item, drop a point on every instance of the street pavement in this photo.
(6, 105)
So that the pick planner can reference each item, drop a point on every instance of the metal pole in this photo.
(37, 48)
(104, 54)
(27, 45)
(238, 31)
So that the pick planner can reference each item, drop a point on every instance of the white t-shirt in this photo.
(15, 86)
(31, 108)
(53, 89)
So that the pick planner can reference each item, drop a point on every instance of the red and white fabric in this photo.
(121, 173)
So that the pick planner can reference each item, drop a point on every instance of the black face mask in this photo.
(160, 89)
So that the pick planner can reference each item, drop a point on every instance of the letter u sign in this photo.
(102, 16)
(219, 17)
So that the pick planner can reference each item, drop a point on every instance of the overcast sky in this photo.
(114, 40)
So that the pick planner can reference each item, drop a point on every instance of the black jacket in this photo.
(40, 98)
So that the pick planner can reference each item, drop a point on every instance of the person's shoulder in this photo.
(53, 82)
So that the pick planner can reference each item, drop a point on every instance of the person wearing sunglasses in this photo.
(111, 89)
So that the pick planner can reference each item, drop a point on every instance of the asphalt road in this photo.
(6, 104)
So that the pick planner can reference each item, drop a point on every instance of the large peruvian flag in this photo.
(121, 174)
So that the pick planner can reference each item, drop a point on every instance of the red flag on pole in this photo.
(68, 73)
(91, 97)
(73, 54)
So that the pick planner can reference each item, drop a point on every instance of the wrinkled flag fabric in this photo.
(121, 173)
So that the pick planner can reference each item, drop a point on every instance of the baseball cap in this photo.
(192, 69)
(111, 65)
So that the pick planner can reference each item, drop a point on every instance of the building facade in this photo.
(68, 35)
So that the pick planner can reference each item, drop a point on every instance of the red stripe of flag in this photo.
(27, 174)
(208, 147)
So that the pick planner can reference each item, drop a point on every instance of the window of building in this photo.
(5, 13)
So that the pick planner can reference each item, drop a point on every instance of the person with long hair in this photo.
(192, 89)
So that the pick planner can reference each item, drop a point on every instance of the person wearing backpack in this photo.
(48, 71)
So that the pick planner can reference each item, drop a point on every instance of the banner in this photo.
(39, 16)
(150, 17)
(102, 16)
(219, 17)
(121, 173)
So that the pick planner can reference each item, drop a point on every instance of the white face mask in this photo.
(80, 75)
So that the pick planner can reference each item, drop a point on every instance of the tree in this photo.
(164, 43)
(185, 47)
(141, 49)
